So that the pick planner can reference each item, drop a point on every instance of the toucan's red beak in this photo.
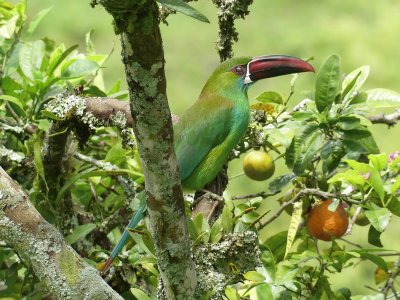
(274, 65)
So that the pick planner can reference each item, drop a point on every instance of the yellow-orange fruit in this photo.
(324, 224)
(258, 165)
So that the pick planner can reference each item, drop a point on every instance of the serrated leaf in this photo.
(379, 218)
(295, 221)
(80, 232)
(184, 8)
(327, 83)
(381, 98)
(79, 68)
(280, 182)
(270, 97)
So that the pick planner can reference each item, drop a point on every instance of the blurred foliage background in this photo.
(362, 33)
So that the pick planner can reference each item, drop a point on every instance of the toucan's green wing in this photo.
(202, 127)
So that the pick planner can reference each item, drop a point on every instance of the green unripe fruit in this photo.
(258, 165)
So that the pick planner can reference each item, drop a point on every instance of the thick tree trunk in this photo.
(138, 24)
(65, 274)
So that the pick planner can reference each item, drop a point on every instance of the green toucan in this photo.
(210, 129)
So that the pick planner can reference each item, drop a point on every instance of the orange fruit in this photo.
(324, 224)
(258, 165)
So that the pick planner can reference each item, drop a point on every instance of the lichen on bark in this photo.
(41, 246)
(142, 54)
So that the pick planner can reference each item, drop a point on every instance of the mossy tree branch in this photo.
(138, 24)
(65, 274)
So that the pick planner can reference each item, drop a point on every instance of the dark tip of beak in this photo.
(275, 65)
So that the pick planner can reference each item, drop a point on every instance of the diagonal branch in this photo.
(65, 274)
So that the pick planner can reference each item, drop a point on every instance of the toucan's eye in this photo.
(239, 70)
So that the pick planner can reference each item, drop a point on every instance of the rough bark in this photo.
(55, 263)
(143, 58)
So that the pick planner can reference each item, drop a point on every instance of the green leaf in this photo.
(138, 238)
(348, 123)
(14, 100)
(79, 68)
(295, 221)
(354, 81)
(227, 219)
(36, 21)
(268, 261)
(139, 294)
(311, 148)
(332, 153)
(30, 58)
(370, 174)
(263, 291)
(254, 276)
(327, 83)
(270, 97)
(280, 182)
(296, 146)
(377, 260)
(277, 245)
(216, 231)
(379, 218)
(378, 161)
(184, 8)
(374, 237)
(51, 115)
(351, 176)
(355, 148)
(92, 172)
(395, 186)
(381, 98)
(80, 232)
(58, 56)
(37, 157)
(232, 294)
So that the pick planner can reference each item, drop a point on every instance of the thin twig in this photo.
(306, 191)
(255, 195)
(390, 281)
(390, 119)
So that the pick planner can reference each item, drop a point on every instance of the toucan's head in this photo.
(244, 71)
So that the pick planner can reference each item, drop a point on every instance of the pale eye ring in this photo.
(239, 70)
